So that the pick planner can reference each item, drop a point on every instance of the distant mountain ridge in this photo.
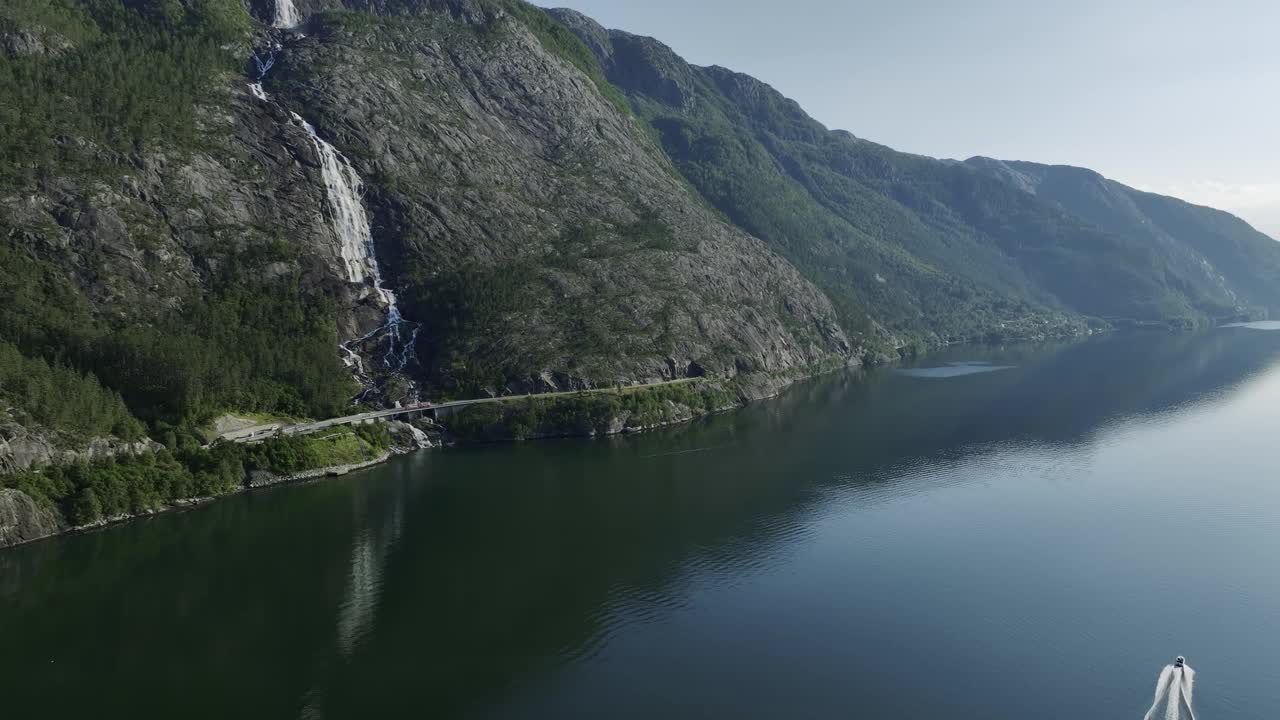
(884, 231)
(1235, 262)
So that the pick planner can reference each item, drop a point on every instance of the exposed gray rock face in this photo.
(1020, 180)
(527, 221)
(418, 435)
(593, 34)
(23, 520)
(630, 61)
(23, 448)
(490, 159)
(36, 41)
(150, 239)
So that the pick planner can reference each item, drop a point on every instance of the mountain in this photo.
(1225, 261)
(199, 244)
(280, 207)
(932, 248)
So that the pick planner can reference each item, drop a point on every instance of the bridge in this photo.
(435, 411)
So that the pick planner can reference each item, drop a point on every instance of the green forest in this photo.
(61, 397)
(85, 493)
(218, 352)
(121, 75)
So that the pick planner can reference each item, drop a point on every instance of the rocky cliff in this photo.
(24, 446)
(529, 222)
(524, 228)
(23, 520)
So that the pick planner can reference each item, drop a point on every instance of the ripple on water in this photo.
(1261, 325)
(953, 369)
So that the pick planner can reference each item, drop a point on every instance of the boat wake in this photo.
(1173, 692)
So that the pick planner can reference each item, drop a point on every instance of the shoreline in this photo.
(762, 388)
(260, 480)
(265, 481)
(766, 388)
(193, 503)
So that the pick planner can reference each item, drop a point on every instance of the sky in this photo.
(1176, 97)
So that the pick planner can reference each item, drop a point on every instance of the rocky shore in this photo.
(23, 520)
(260, 479)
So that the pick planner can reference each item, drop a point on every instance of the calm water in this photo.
(1030, 542)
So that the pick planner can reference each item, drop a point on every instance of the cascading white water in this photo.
(1173, 691)
(286, 15)
(344, 192)
(350, 223)
(420, 438)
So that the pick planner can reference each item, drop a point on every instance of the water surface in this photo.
(1033, 542)
(953, 369)
(1259, 325)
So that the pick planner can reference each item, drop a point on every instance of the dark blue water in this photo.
(1036, 541)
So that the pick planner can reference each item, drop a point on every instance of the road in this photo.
(258, 433)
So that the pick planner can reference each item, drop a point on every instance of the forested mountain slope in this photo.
(936, 249)
(1224, 260)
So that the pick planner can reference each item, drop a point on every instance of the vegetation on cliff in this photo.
(115, 82)
(1228, 269)
(85, 493)
(58, 396)
(114, 75)
(933, 249)
(591, 414)
(216, 352)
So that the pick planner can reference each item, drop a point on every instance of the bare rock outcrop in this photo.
(23, 520)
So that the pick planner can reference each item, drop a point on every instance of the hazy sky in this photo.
(1176, 97)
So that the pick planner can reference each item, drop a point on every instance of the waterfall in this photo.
(344, 191)
(350, 223)
(286, 15)
(420, 438)
(264, 66)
